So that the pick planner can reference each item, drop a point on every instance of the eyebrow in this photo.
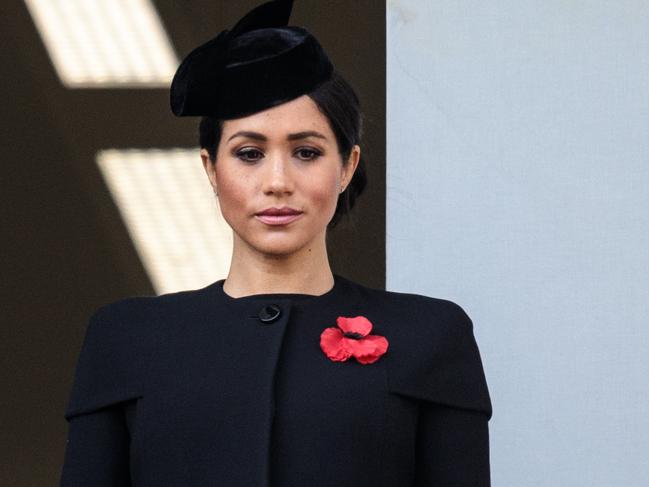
(262, 137)
(306, 134)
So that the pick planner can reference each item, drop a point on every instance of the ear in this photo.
(350, 168)
(209, 167)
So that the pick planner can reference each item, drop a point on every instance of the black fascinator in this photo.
(261, 62)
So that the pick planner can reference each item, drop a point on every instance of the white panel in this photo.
(171, 213)
(105, 43)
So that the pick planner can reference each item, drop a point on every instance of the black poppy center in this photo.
(353, 334)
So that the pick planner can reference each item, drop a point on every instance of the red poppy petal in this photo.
(357, 324)
(332, 344)
(368, 349)
(368, 359)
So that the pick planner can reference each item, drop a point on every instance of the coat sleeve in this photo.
(453, 434)
(97, 448)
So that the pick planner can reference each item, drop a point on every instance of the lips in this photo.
(278, 216)
(278, 219)
(285, 210)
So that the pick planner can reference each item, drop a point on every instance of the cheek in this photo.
(322, 190)
(234, 193)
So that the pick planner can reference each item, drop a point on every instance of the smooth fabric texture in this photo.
(193, 389)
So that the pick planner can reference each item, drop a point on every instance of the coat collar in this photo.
(343, 290)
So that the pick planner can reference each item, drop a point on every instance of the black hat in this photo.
(258, 64)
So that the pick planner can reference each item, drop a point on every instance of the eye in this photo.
(249, 154)
(307, 154)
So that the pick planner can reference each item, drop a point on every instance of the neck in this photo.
(303, 271)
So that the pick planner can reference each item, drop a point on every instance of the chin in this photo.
(279, 245)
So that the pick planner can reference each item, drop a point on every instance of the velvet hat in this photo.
(261, 62)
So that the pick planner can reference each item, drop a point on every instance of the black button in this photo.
(269, 313)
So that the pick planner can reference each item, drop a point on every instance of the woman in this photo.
(283, 374)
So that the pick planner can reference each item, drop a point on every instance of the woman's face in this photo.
(286, 156)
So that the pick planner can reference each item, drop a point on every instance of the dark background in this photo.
(65, 250)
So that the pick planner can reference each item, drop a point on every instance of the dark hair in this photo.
(338, 102)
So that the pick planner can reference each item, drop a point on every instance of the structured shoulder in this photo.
(137, 319)
(112, 363)
(142, 308)
(420, 315)
(434, 354)
(101, 377)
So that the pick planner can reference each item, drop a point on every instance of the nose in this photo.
(277, 176)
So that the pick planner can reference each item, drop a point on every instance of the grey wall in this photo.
(518, 186)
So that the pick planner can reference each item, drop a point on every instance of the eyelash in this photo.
(244, 153)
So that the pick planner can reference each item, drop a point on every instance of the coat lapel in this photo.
(213, 389)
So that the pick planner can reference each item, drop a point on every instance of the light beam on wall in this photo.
(105, 43)
(171, 214)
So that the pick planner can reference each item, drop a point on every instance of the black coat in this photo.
(193, 389)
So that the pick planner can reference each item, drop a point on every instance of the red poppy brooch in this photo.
(352, 338)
